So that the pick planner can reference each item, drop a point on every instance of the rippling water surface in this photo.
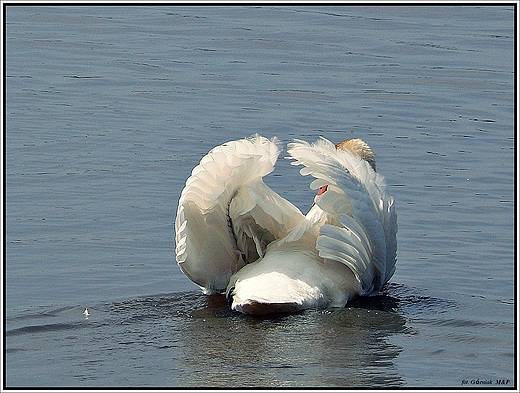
(109, 108)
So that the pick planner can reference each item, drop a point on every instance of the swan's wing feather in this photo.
(379, 215)
(341, 245)
(365, 200)
(208, 261)
(360, 212)
(227, 216)
(389, 223)
(259, 216)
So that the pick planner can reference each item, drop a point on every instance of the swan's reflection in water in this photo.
(331, 348)
(188, 339)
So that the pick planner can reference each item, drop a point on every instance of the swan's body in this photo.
(236, 235)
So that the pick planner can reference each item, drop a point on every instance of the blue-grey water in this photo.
(109, 108)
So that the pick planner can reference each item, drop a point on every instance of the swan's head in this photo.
(359, 148)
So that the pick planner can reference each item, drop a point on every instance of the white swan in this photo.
(234, 234)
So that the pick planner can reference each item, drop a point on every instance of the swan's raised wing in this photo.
(361, 223)
(227, 215)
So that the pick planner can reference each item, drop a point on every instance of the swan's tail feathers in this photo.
(361, 221)
(227, 216)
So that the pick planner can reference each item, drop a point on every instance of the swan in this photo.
(235, 235)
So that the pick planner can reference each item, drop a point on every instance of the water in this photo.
(109, 108)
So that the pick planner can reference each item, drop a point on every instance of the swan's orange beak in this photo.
(322, 189)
